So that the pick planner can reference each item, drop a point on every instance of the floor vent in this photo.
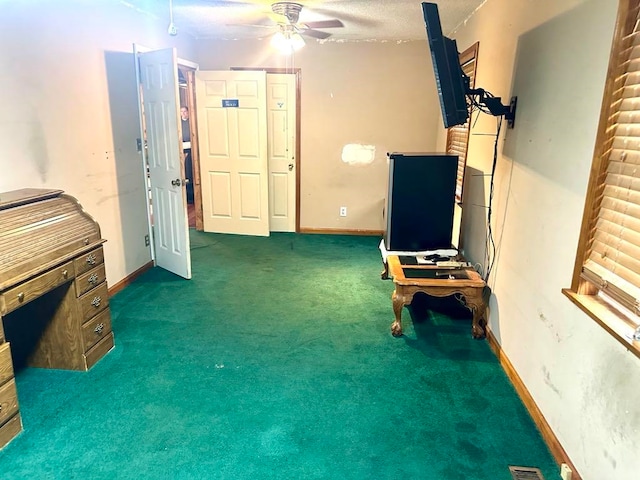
(526, 473)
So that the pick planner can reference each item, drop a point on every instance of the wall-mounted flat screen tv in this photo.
(451, 81)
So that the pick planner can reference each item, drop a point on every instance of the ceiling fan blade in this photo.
(351, 18)
(314, 34)
(335, 23)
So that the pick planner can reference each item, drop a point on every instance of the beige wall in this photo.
(69, 116)
(371, 93)
(553, 56)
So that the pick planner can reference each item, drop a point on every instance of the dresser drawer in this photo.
(31, 289)
(96, 329)
(89, 280)
(6, 364)
(89, 260)
(93, 302)
(99, 350)
(10, 429)
(8, 401)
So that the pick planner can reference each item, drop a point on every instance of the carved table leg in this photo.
(398, 304)
(479, 322)
(474, 301)
(384, 275)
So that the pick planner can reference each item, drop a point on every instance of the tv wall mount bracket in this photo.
(495, 105)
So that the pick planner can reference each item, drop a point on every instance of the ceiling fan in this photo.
(290, 23)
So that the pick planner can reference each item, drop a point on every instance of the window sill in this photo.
(608, 317)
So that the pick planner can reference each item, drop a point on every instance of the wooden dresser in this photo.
(54, 304)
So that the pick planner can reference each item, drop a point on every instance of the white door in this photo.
(281, 125)
(232, 133)
(159, 79)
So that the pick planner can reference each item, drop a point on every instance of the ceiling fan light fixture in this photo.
(287, 42)
(297, 42)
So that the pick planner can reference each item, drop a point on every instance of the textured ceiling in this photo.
(363, 19)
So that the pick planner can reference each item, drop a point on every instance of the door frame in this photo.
(142, 144)
(195, 149)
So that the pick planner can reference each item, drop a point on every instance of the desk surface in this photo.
(400, 275)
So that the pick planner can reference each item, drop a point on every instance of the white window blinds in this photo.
(458, 136)
(613, 252)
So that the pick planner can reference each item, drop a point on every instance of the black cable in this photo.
(476, 101)
(490, 242)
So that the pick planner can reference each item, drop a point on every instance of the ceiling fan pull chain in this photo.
(173, 30)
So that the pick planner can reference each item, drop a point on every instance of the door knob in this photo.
(290, 166)
(176, 183)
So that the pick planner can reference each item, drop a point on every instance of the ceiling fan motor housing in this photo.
(290, 10)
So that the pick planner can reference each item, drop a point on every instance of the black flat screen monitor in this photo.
(450, 78)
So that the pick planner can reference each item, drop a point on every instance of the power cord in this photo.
(490, 242)
(477, 100)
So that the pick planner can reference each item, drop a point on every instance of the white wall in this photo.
(553, 56)
(69, 116)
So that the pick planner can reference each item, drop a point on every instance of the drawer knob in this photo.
(91, 259)
(93, 279)
(96, 301)
(99, 328)
(65, 273)
(21, 297)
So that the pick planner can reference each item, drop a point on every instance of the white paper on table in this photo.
(442, 252)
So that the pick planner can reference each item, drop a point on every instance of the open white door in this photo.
(232, 133)
(281, 126)
(159, 79)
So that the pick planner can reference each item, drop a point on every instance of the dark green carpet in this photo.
(276, 362)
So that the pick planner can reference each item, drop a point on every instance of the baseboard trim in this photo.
(548, 436)
(339, 231)
(129, 278)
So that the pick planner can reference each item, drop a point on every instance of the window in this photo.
(458, 136)
(606, 277)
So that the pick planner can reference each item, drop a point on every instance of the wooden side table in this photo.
(437, 282)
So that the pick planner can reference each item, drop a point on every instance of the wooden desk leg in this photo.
(398, 304)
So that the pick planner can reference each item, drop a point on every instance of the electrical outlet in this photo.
(343, 211)
(146, 240)
(565, 472)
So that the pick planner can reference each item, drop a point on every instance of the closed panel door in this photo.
(232, 128)
(281, 111)
(158, 76)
